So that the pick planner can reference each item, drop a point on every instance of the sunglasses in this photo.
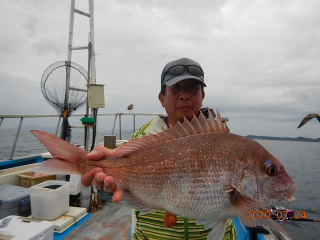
(179, 69)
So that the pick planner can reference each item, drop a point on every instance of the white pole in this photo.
(71, 30)
(93, 60)
(66, 98)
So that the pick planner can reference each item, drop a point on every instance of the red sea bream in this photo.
(197, 170)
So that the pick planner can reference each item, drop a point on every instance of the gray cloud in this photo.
(21, 96)
(260, 58)
(47, 46)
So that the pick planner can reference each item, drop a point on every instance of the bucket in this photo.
(49, 199)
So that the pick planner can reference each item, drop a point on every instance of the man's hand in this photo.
(97, 178)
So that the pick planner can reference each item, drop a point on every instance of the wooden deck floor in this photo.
(111, 222)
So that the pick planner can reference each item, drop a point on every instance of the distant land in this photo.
(300, 139)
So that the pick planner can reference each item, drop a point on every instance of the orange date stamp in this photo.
(278, 215)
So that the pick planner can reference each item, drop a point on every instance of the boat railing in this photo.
(116, 115)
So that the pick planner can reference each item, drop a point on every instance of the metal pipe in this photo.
(93, 61)
(134, 123)
(82, 13)
(29, 116)
(97, 131)
(120, 126)
(57, 126)
(68, 62)
(114, 123)
(66, 96)
(81, 114)
(16, 139)
(78, 89)
(78, 48)
(76, 126)
(86, 129)
(86, 138)
(71, 30)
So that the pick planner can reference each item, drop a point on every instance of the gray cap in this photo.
(170, 80)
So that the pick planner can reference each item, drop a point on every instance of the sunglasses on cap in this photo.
(179, 69)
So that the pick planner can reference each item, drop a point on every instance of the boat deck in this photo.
(111, 222)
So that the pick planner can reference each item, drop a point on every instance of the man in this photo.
(182, 93)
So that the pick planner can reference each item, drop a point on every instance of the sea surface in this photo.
(300, 159)
(28, 144)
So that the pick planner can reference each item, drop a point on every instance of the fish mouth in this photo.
(280, 201)
(288, 191)
(283, 196)
(287, 195)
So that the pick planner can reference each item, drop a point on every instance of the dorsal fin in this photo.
(189, 126)
(175, 131)
(163, 136)
(213, 122)
(197, 124)
(205, 123)
(220, 123)
(181, 130)
(168, 134)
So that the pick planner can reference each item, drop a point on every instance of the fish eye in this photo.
(271, 169)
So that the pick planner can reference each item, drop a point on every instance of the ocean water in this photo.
(28, 144)
(300, 159)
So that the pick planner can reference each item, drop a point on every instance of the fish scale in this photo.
(196, 170)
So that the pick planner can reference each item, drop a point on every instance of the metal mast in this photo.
(91, 58)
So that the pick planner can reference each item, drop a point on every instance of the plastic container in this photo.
(14, 200)
(27, 179)
(49, 199)
(17, 229)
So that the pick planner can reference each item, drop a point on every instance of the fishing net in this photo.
(53, 87)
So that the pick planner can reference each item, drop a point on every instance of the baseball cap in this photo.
(181, 69)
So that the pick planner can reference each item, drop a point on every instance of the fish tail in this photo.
(68, 159)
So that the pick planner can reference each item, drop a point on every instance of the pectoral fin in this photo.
(251, 213)
(218, 229)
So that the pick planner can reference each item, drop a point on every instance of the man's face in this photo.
(182, 99)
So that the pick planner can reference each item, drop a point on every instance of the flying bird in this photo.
(130, 107)
(308, 118)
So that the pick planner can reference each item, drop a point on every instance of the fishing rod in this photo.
(284, 215)
(279, 214)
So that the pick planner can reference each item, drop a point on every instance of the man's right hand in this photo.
(97, 178)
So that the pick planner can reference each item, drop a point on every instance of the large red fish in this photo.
(196, 170)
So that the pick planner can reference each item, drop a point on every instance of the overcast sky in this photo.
(261, 58)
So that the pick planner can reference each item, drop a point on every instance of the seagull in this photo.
(130, 107)
(308, 118)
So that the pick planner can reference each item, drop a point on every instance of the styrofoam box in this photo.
(27, 179)
(14, 200)
(20, 230)
(47, 203)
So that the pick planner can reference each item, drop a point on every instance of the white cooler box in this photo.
(14, 228)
